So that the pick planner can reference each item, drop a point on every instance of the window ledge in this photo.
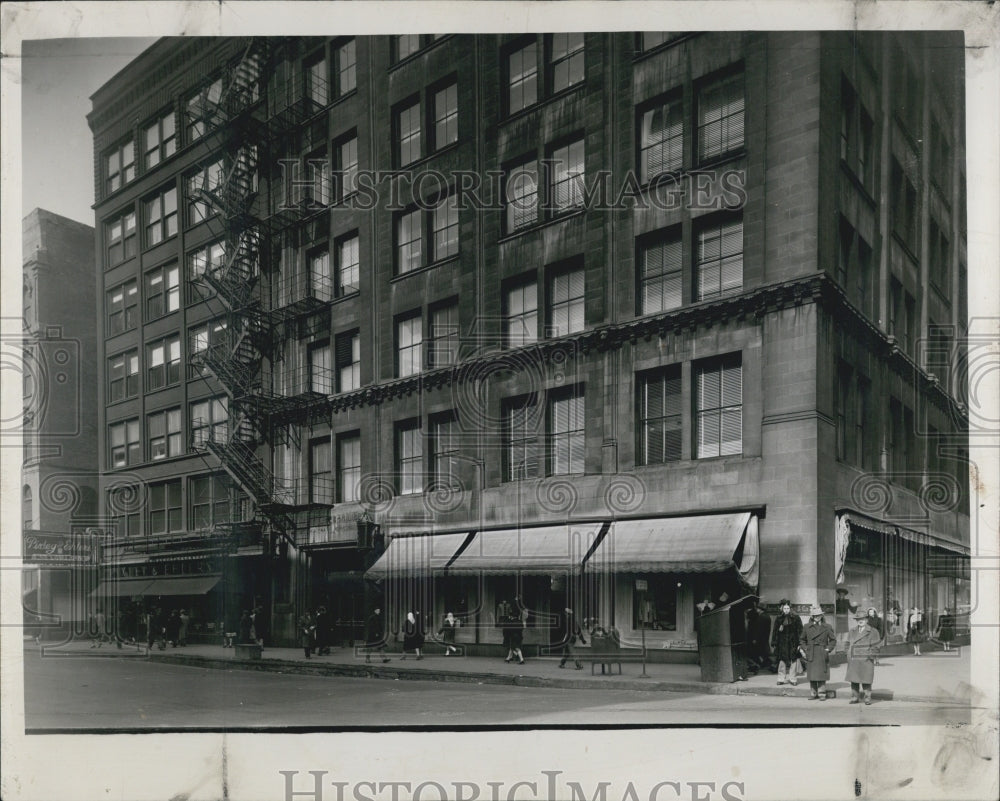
(160, 244)
(424, 160)
(540, 104)
(858, 183)
(723, 158)
(641, 55)
(425, 268)
(528, 229)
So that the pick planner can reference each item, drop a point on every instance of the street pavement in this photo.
(96, 690)
(936, 676)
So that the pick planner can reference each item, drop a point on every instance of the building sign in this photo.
(177, 567)
(48, 548)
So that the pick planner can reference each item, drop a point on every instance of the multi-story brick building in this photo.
(59, 475)
(554, 312)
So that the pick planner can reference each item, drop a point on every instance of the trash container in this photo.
(722, 636)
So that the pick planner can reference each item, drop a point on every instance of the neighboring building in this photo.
(59, 475)
(733, 372)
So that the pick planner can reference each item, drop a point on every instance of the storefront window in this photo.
(655, 608)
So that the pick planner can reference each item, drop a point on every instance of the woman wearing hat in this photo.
(815, 645)
(916, 631)
(862, 650)
(785, 637)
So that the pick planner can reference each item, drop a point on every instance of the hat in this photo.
(859, 615)
(843, 590)
(815, 609)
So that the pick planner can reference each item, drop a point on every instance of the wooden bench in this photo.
(607, 651)
(248, 650)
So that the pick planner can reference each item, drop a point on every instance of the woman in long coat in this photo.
(785, 637)
(916, 629)
(815, 645)
(413, 635)
(862, 650)
(946, 629)
(447, 632)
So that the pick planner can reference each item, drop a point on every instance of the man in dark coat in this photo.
(785, 637)
(862, 650)
(322, 631)
(759, 636)
(816, 645)
(375, 635)
(574, 635)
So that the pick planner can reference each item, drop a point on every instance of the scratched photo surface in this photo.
(627, 388)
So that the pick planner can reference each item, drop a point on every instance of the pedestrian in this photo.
(515, 628)
(504, 613)
(878, 624)
(307, 631)
(157, 629)
(259, 626)
(173, 628)
(375, 635)
(785, 638)
(759, 635)
(815, 645)
(574, 634)
(916, 631)
(182, 632)
(946, 629)
(322, 631)
(862, 650)
(246, 627)
(447, 633)
(413, 635)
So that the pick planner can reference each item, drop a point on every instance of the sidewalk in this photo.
(934, 677)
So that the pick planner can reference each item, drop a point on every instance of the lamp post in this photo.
(641, 586)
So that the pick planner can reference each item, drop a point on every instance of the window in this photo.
(409, 242)
(566, 183)
(209, 501)
(163, 431)
(408, 134)
(405, 45)
(200, 340)
(661, 138)
(123, 443)
(445, 129)
(520, 316)
(940, 159)
(347, 67)
(660, 416)
(565, 59)
(719, 410)
(522, 78)
(444, 228)
(160, 215)
(648, 40)
(209, 419)
(846, 242)
(844, 410)
(409, 343)
(120, 233)
(321, 471)
(160, 140)
(720, 117)
(163, 362)
(321, 179)
(443, 345)
(938, 351)
(521, 191)
(520, 438)
(123, 376)
(445, 451)
(856, 136)
(320, 372)
(317, 86)
(863, 277)
(207, 179)
(719, 262)
(566, 434)
(165, 507)
(124, 504)
(660, 265)
(348, 354)
(409, 457)
(27, 509)
(163, 291)
(904, 207)
(119, 166)
(566, 307)
(347, 166)
(122, 303)
(201, 261)
(348, 265)
(862, 408)
(655, 607)
(940, 258)
(320, 280)
(200, 108)
(348, 467)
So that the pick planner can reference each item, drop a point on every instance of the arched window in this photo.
(27, 511)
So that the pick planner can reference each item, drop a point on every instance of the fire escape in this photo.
(260, 110)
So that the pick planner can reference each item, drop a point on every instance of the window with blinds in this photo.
(409, 345)
(566, 310)
(520, 438)
(444, 456)
(660, 416)
(521, 314)
(522, 78)
(661, 138)
(660, 264)
(719, 407)
(321, 471)
(443, 345)
(409, 458)
(566, 433)
(719, 259)
(720, 117)
(566, 166)
(348, 359)
(521, 194)
(565, 60)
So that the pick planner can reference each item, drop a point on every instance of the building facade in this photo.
(59, 474)
(618, 322)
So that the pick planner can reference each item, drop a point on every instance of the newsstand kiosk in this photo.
(722, 637)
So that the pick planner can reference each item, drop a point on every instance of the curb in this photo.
(381, 671)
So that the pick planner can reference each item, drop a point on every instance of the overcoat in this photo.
(817, 641)
(413, 635)
(785, 637)
(862, 648)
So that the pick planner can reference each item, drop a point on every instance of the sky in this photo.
(59, 76)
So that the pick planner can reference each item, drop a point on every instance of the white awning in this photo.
(543, 549)
(421, 555)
